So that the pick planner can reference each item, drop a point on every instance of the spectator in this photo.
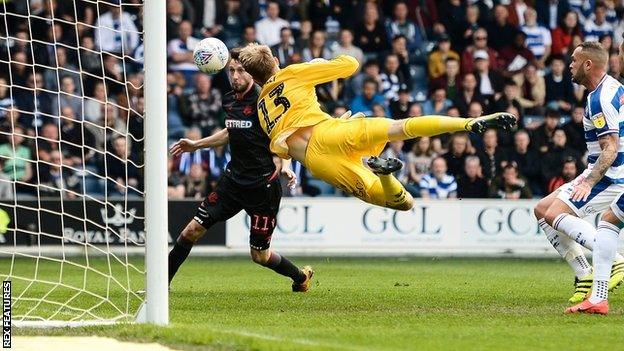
(175, 183)
(543, 135)
(370, 34)
(517, 10)
(471, 185)
(6, 100)
(186, 160)
(468, 94)
(448, 81)
(285, 50)
(249, 35)
(371, 70)
(439, 57)
(317, 48)
(35, 102)
(480, 43)
(597, 26)
(616, 70)
(345, 46)
(538, 40)
(229, 24)
(69, 97)
(399, 48)
(268, 28)
(15, 157)
(121, 167)
(532, 91)
(392, 77)
(491, 155)
(400, 24)
(438, 184)
(553, 160)
(180, 52)
(175, 15)
(419, 160)
(510, 185)
(526, 159)
(563, 35)
(462, 34)
(202, 107)
(559, 89)
(501, 32)
(115, 32)
(567, 174)
(438, 104)
(305, 33)
(575, 131)
(57, 179)
(399, 107)
(94, 104)
(218, 158)
(90, 59)
(516, 56)
(369, 97)
(77, 143)
(52, 75)
(196, 185)
(489, 82)
(459, 149)
(47, 141)
(451, 14)
(510, 97)
(551, 13)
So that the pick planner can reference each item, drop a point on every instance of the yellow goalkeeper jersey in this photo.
(288, 100)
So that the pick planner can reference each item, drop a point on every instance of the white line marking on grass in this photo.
(283, 339)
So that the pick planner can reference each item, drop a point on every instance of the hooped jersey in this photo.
(604, 114)
(288, 100)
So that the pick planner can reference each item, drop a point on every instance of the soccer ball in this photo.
(211, 55)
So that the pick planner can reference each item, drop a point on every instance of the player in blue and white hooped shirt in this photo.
(612, 220)
(560, 213)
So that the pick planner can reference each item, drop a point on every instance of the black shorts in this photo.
(261, 204)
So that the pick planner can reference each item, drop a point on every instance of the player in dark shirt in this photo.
(250, 182)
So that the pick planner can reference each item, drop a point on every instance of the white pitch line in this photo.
(283, 339)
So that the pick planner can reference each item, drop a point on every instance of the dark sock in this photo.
(283, 266)
(178, 255)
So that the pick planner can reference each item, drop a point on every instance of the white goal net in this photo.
(72, 166)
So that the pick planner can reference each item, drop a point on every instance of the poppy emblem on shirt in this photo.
(247, 110)
(622, 99)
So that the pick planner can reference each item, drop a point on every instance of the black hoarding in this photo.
(67, 222)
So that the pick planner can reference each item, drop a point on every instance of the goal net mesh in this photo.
(71, 159)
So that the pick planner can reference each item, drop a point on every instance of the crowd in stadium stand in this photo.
(64, 84)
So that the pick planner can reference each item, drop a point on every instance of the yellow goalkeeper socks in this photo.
(393, 190)
(433, 125)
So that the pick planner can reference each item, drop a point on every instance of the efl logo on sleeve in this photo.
(600, 121)
(6, 314)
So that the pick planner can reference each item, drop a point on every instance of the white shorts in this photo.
(605, 194)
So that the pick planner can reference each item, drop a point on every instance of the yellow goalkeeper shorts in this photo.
(336, 149)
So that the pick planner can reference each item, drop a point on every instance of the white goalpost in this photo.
(83, 161)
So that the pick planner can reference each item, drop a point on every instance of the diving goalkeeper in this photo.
(332, 149)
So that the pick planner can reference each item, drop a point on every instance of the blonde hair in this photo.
(258, 61)
(594, 51)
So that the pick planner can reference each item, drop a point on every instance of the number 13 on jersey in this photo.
(270, 113)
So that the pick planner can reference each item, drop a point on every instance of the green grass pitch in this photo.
(374, 304)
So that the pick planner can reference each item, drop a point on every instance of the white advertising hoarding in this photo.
(334, 225)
